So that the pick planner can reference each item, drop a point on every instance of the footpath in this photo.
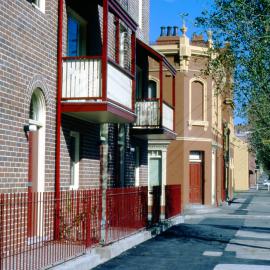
(235, 237)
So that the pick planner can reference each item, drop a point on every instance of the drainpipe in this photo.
(58, 120)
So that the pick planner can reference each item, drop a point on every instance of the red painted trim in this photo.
(78, 107)
(119, 11)
(117, 40)
(121, 69)
(84, 107)
(81, 98)
(161, 90)
(58, 120)
(119, 104)
(169, 105)
(92, 106)
(133, 68)
(105, 49)
(128, 116)
(70, 58)
(174, 102)
(148, 99)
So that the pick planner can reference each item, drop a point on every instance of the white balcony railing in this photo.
(147, 113)
(119, 86)
(81, 78)
(167, 117)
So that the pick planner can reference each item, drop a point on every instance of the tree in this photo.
(245, 26)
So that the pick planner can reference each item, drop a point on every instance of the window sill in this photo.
(74, 187)
(197, 123)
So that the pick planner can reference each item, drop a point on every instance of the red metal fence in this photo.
(30, 240)
(27, 233)
(172, 200)
(126, 211)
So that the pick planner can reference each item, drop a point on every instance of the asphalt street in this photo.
(235, 237)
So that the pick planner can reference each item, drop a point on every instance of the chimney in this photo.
(163, 31)
(175, 31)
(169, 31)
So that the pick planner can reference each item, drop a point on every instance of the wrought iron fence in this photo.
(27, 222)
(126, 211)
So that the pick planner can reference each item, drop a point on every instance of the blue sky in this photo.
(166, 12)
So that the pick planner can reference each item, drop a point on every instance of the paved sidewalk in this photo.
(236, 237)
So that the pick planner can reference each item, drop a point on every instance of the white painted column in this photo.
(213, 182)
(164, 181)
(104, 129)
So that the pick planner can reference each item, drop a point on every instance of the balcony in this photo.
(155, 91)
(154, 121)
(82, 95)
(98, 78)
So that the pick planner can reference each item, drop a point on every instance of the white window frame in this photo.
(122, 50)
(137, 166)
(154, 154)
(74, 179)
(39, 4)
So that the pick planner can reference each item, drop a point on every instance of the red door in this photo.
(32, 185)
(195, 183)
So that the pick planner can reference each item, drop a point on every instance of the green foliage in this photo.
(245, 25)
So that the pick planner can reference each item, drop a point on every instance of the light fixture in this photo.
(30, 128)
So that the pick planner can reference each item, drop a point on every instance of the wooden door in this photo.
(195, 183)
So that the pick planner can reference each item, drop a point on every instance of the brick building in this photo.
(28, 78)
(81, 115)
(201, 157)
(29, 73)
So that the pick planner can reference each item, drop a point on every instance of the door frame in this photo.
(200, 161)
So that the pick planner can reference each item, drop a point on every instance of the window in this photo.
(74, 159)
(76, 34)
(155, 171)
(40, 4)
(124, 47)
(152, 89)
(197, 101)
(137, 165)
(198, 104)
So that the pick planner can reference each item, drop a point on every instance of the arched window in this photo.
(37, 108)
(197, 101)
(152, 89)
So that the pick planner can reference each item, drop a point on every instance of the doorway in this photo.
(196, 177)
(154, 184)
(36, 164)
